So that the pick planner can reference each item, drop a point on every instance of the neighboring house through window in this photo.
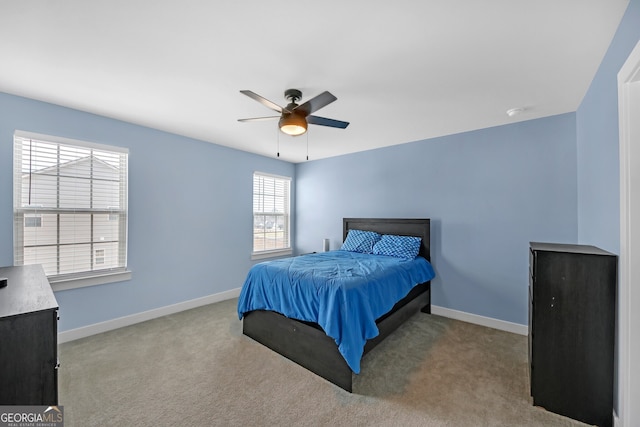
(33, 220)
(70, 209)
(271, 215)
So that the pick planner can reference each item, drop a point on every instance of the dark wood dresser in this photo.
(572, 312)
(28, 338)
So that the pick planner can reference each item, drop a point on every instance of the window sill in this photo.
(63, 284)
(271, 254)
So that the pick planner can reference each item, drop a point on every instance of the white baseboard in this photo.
(489, 322)
(120, 322)
(96, 328)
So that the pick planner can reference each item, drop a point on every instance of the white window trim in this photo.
(63, 140)
(93, 278)
(271, 254)
(62, 284)
(274, 253)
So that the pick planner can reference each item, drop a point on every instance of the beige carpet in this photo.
(195, 368)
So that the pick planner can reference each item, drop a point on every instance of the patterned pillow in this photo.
(398, 246)
(360, 241)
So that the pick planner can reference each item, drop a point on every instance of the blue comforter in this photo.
(344, 292)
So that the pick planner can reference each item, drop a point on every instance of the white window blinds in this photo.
(70, 206)
(271, 217)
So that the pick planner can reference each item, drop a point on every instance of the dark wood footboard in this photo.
(300, 342)
(307, 344)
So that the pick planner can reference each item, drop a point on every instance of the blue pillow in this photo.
(360, 241)
(398, 246)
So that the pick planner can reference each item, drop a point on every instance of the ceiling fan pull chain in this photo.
(307, 145)
(278, 139)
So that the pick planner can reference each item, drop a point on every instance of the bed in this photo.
(305, 341)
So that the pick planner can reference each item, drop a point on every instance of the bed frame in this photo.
(306, 343)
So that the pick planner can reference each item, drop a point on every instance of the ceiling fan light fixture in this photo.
(293, 124)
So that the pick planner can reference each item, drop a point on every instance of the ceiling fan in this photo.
(294, 118)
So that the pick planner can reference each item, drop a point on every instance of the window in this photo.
(271, 218)
(70, 208)
(99, 257)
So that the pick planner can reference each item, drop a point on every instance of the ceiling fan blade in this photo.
(316, 103)
(258, 119)
(264, 101)
(315, 120)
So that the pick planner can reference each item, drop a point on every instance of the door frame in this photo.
(629, 262)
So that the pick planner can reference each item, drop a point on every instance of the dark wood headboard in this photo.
(401, 227)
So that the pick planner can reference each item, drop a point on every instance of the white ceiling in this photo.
(402, 70)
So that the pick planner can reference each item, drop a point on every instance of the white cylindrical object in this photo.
(325, 245)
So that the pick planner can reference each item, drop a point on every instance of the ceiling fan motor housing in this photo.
(292, 122)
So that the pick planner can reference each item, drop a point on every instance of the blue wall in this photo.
(190, 204)
(597, 134)
(488, 192)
